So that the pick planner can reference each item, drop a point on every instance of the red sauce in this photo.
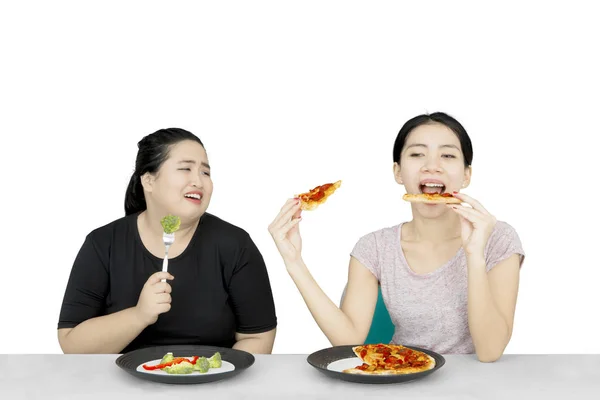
(317, 196)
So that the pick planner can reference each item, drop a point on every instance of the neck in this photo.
(435, 230)
(151, 220)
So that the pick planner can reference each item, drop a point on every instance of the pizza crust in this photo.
(403, 371)
(430, 198)
(356, 371)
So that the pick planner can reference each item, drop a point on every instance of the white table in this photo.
(97, 377)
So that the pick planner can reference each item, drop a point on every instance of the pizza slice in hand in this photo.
(431, 198)
(317, 196)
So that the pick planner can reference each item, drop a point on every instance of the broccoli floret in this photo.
(168, 357)
(170, 223)
(181, 368)
(202, 365)
(215, 360)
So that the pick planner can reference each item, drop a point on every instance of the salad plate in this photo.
(185, 364)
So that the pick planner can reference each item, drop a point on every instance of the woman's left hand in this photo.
(476, 223)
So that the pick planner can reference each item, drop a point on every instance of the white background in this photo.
(289, 95)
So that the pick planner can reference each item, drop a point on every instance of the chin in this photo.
(195, 212)
(189, 212)
(431, 211)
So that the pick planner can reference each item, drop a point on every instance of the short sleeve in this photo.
(250, 292)
(87, 287)
(503, 242)
(365, 251)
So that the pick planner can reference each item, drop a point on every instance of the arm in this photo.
(258, 343)
(492, 298)
(252, 301)
(83, 327)
(350, 323)
(108, 334)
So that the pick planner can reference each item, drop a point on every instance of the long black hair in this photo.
(440, 118)
(153, 150)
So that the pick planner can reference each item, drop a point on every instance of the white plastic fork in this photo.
(168, 240)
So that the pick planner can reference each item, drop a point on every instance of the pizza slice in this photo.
(431, 198)
(389, 359)
(317, 196)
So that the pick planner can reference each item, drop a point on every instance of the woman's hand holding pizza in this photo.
(476, 223)
(285, 231)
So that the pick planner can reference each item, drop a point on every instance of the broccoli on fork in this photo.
(170, 224)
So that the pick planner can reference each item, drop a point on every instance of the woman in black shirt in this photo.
(217, 290)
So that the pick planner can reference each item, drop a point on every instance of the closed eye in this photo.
(416, 154)
(449, 156)
(189, 169)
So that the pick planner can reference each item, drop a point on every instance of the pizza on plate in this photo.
(431, 198)
(317, 196)
(390, 359)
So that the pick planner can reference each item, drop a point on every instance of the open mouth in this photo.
(432, 187)
(194, 197)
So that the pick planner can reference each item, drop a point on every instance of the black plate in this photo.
(129, 362)
(322, 358)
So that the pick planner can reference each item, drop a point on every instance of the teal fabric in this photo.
(382, 327)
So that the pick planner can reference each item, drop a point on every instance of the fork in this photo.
(168, 239)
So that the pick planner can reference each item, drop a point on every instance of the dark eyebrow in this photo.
(194, 162)
(415, 145)
(442, 146)
(451, 146)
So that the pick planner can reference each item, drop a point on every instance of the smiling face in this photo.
(431, 161)
(182, 185)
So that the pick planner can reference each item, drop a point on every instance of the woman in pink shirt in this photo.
(449, 277)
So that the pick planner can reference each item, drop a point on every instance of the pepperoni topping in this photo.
(390, 357)
(363, 367)
(393, 360)
(317, 193)
(317, 196)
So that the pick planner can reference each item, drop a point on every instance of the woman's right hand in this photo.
(285, 231)
(155, 298)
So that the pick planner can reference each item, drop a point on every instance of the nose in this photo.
(432, 164)
(196, 181)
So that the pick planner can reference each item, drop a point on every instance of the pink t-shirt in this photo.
(429, 310)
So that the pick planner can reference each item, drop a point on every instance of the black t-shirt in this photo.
(221, 284)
